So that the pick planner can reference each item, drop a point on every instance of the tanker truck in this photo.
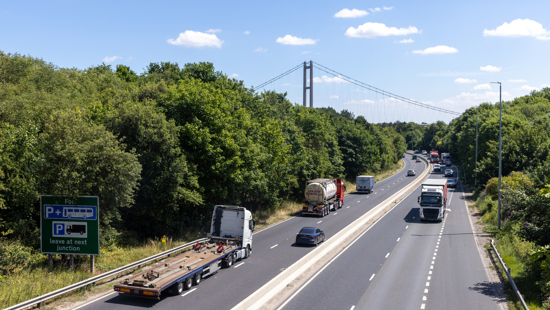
(322, 195)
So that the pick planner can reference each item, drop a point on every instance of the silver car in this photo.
(411, 172)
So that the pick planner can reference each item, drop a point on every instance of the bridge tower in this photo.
(310, 87)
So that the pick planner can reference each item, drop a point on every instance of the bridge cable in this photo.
(264, 84)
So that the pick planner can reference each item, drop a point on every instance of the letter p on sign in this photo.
(59, 229)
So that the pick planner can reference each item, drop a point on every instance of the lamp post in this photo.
(475, 183)
(499, 154)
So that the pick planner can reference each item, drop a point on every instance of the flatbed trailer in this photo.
(230, 240)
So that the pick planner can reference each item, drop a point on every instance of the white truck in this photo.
(433, 200)
(230, 240)
(364, 183)
(323, 195)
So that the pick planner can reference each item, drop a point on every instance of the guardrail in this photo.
(41, 299)
(507, 270)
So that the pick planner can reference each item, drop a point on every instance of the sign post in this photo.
(69, 226)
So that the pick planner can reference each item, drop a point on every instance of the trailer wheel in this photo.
(229, 261)
(179, 288)
(197, 279)
(188, 283)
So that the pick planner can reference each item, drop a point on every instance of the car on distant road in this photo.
(437, 167)
(310, 235)
(417, 160)
(411, 172)
(448, 172)
(451, 183)
(416, 151)
(447, 162)
(424, 152)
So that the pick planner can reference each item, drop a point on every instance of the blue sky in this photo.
(453, 50)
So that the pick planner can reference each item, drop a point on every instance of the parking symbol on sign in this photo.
(59, 229)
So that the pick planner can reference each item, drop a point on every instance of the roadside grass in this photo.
(30, 280)
(38, 278)
(514, 253)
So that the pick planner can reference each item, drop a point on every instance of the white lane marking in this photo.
(358, 201)
(407, 227)
(388, 186)
(387, 255)
(91, 302)
(423, 306)
(427, 283)
(424, 298)
(347, 207)
(398, 239)
(191, 291)
(425, 291)
(371, 277)
(319, 222)
(430, 272)
(335, 213)
(433, 262)
(239, 264)
(274, 246)
(382, 189)
(429, 278)
(352, 307)
(431, 267)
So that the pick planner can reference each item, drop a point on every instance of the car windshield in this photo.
(411, 170)
(451, 181)
(307, 230)
(448, 171)
(431, 199)
(436, 166)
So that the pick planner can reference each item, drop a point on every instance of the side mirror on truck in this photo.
(418, 199)
(252, 225)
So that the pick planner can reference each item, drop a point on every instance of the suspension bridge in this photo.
(342, 92)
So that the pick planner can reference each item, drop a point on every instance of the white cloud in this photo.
(375, 10)
(286, 84)
(234, 75)
(109, 59)
(517, 81)
(490, 68)
(261, 50)
(334, 97)
(364, 101)
(353, 13)
(520, 28)
(387, 8)
(191, 38)
(527, 88)
(406, 41)
(306, 52)
(544, 85)
(326, 79)
(465, 81)
(247, 32)
(482, 86)
(371, 30)
(213, 30)
(466, 100)
(440, 49)
(292, 40)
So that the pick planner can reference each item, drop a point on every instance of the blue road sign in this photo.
(70, 212)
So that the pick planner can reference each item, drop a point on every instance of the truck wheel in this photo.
(179, 288)
(246, 252)
(197, 279)
(229, 261)
(188, 283)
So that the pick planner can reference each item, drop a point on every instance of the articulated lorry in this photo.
(230, 240)
(364, 183)
(433, 200)
(322, 195)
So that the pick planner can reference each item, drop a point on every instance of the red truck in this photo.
(433, 200)
(322, 195)
(434, 156)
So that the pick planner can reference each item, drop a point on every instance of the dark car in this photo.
(447, 162)
(451, 183)
(448, 172)
(310, 235)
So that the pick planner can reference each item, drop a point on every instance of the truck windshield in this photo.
(431, 199)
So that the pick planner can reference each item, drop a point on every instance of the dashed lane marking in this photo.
(371, 277)
(191, 291)
(387, 255)
(239, 265)
(319, 222)
(274, 246)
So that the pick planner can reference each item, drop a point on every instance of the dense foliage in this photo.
(162, 147)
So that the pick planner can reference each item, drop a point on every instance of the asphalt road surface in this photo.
(402, 263)
(273, 251)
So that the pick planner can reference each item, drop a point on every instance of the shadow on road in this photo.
(412, 216)
(134, 301)
(488, 289)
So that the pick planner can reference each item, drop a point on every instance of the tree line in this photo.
(162, 147)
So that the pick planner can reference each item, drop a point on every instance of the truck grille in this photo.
(431, 214)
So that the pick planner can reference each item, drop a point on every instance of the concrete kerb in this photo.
(269, 290)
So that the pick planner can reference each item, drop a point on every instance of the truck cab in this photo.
(433, 200)
(237, 224)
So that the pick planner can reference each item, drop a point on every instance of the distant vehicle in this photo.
(447, 162)
(310, 235)
(451, 183)
(411, 172)
(434, 156)
(322, 195)
(433, 200)
(415, 157)
(424, 152)
(416, 151)
(437, 167)
(448, 172)
(417, 160)
(364, 183)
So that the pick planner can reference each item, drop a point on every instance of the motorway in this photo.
(273, 251)
(402, 263)
(398, 263)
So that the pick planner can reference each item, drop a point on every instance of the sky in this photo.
(442, 53)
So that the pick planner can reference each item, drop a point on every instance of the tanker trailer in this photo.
(322, 195)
